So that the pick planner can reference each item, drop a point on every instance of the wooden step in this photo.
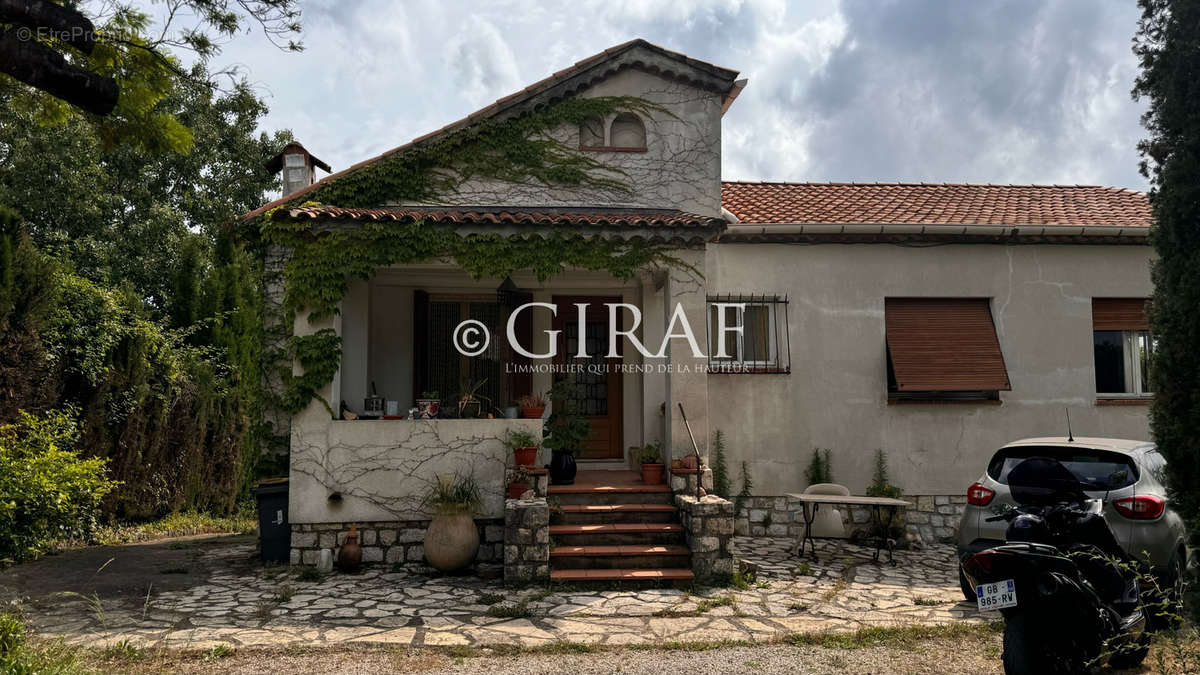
(591, 514)
(623, 574)
(617, 534)
(610, 495)
(639, 556)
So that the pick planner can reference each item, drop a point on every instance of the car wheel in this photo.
(968, 590)
(1162, 601)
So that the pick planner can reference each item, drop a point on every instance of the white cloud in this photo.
(1024, 91)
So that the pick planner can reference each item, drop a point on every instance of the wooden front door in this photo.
(598, 378)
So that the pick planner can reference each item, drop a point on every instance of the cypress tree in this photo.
(1168, 46)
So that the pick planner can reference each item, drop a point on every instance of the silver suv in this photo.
(1128, 476)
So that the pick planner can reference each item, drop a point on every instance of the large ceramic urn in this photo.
(451, 541)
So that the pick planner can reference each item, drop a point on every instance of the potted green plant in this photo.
(524, 446)
(452, 539)
(470, 405)
(566, 430)
(517, 484)
(532, 406)
(428, 405)
(650, 457)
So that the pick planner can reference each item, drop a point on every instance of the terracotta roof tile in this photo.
(934, 204)
(510, 216)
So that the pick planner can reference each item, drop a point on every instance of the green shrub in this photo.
(881, 484)
(720, 467)
(19, 657)
(47, 491)
(820, 467)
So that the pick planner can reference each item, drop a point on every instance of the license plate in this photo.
(997, 595)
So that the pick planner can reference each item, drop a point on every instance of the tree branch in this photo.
(43, 68)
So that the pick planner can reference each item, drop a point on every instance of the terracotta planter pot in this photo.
(349, 555)
(652, 474)
(533, 413)
(451, 541)
(515, 490)
(525, 456)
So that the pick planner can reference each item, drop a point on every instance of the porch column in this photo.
(654, 380)
(687, 382)
(315, 418)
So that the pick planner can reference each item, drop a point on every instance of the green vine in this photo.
(515, 150)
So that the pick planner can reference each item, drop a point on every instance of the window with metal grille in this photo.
(748, 334)
(450, 374)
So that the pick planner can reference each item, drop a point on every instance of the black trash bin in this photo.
(274, 533)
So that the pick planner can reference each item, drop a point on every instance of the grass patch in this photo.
(926, 602)
(804, 570)
(284, 593)
(837, 589)
(490, 598)
(19, 656)
(798, 607)
(218, 652)
(519, 610)
(689, 645)
(539, 595)
(891, 636)
(309, 574)
(124, 651)
(709, 604)
(182, 524)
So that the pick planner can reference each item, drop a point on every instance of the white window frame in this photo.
(1132, 358)
(740, 348)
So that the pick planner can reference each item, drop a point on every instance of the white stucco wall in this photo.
(836, 395)
(681, 168)
(384, 469)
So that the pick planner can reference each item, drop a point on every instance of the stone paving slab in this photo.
(252, 605)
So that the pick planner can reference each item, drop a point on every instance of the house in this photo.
(934, 322)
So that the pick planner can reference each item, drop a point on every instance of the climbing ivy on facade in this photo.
(518, 150)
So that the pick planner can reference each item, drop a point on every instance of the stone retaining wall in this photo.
(526, 540)
(934, 517)
(386, 542)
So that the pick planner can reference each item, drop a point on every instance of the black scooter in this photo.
(1059, 581)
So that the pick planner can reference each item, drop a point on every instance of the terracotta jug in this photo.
(350, 554)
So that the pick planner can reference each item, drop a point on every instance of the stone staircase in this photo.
(609, 526)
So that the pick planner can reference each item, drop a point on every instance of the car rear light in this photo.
(978, 495)
(1140, 507)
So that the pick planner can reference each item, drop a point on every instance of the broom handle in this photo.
(695, 449)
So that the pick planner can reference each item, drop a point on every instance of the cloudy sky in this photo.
(1014, 91)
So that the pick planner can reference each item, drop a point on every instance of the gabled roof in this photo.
(636, 53)
(934, 204)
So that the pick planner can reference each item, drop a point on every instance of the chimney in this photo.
(299, 167)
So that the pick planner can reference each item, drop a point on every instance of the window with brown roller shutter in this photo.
(943, 348)
(1124, 348)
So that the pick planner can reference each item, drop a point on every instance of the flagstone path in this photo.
(238, 602)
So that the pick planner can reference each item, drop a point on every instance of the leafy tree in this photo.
(116, 67)
(1168, 46)
(124, 214)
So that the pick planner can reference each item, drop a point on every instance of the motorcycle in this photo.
(1060, 580)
